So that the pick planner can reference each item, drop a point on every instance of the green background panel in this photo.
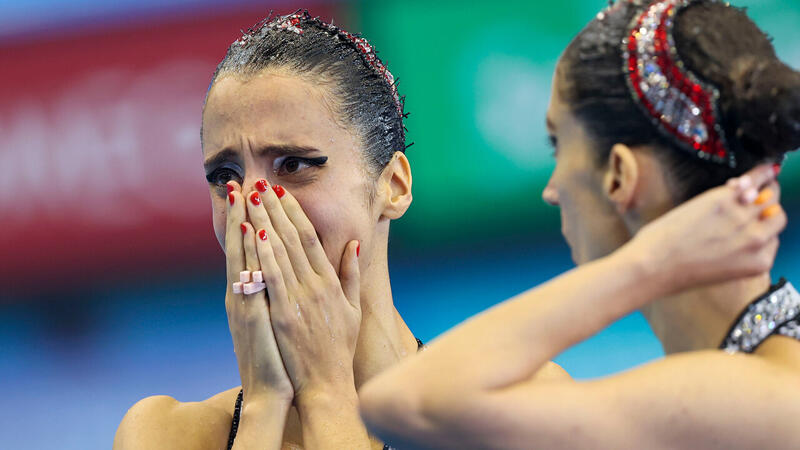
(477, 78)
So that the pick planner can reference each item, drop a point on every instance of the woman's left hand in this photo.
(315, 312)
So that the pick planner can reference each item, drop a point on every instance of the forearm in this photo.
(510, 342)
(261, 424)
(330, 420)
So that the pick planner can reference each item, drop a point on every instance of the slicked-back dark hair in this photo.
(759, 95)
(363, 96)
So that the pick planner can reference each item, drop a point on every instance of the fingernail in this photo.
(771, 211)
(358, 249)
(750, 196)
(261, 185)
(279, 190)
(777, 169)
(745, 182)
(230, 187)
(230, 198)
(262, 234)
(255, 198)
(764, 196)
(244, 229)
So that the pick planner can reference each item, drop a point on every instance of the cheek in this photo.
(219, 215)
(336, 223)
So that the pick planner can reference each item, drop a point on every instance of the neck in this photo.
(698, 319)
(384, 338)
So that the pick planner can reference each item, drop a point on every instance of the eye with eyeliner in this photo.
(223, 173)
(293, 165)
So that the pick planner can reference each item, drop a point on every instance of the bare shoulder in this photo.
(161, 421)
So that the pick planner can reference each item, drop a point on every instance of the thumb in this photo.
(349, 274)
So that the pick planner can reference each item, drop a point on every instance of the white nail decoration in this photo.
(258, 277)
(750, 196)
(237, 287)
(244, 276)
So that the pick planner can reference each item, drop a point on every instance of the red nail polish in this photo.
(230, 198)
(255, 198)
(261, 185)
(230, 188)
(358, 250)
(777, 169)
(279, 190)
(262, 234)
(244, 229)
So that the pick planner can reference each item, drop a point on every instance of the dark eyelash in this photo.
(315, 161)
(551, 141)
(211, 177)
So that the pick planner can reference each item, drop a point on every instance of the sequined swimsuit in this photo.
(775, 312)
(237, 412)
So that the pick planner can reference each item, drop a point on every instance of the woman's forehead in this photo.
(269, 107)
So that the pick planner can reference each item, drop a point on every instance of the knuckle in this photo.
(281, 325)
(308, 237)
(271, 278)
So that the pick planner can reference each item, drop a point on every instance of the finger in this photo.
(350, 275)
(749, 184)
(234, 252)
(270, 269)
(255, 302)
(261, 221)
(286, 232)
(308, 235)
(249, 244)
(773, 218)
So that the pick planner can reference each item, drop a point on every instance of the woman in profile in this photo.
(653, 103)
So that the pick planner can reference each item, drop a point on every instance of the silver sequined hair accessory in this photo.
(297, 21)
(682, 106)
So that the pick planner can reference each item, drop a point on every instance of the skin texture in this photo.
(698, 263)
(300, 382)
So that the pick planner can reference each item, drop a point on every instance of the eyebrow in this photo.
(275, 151)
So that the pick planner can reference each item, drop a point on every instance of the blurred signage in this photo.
(100, 151)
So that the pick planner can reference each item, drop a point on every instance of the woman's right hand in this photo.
(261, 368)
(726, 233)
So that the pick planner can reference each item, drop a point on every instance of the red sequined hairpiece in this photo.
(681, 105)
(293, 22)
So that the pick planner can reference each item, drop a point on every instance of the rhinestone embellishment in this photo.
(680, 105)
(295, 23)
(777, 312)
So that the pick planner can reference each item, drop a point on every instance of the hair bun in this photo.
(766, 102)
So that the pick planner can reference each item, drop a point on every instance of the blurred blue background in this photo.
(89, 320)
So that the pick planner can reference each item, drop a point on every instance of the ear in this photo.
(621, 178)
(395, 187)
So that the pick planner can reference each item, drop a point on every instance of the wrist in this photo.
(262, 404)
(320, 399)
(646, 269)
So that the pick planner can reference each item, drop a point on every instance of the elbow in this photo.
(409, 415)
(380, 406)
(391, 411)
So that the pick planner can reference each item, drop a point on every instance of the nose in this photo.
(550, 194)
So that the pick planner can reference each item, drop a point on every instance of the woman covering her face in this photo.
(653, 103)
(298, 113)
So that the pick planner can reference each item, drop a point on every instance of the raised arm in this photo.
(441, 398)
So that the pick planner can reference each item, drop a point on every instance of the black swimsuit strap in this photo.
(237, 412)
